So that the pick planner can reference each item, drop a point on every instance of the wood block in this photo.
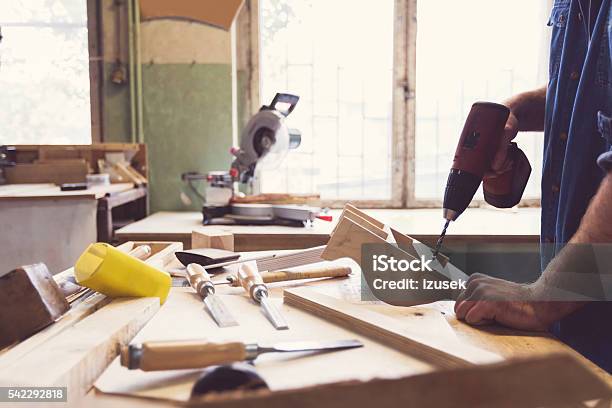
(211, 238)
(444, 352)
(30, 300)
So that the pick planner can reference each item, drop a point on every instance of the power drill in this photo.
(481, 137)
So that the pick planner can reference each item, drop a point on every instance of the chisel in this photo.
(176, 355)
(200, 280)
(283, 276)
(250, 279)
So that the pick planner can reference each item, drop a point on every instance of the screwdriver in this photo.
(200, 280)
(250, 279)
(283, 276)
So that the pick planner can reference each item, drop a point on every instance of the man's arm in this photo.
(527, 306)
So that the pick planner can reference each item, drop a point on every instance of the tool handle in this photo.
(141, 252)
(506, 190)
(176, 355)
(328, 272)
(199, 279)
(250, 278)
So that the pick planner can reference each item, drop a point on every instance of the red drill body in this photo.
(480, 139)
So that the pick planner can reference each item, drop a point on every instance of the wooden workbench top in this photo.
(195, 323)
(517, 225)
(52, 191)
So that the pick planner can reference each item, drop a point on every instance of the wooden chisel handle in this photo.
(250, 279)
(329, 272)
(199, 279)
(283, 276)
(176, 355)
(141, 252)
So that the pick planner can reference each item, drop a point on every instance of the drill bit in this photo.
(440, 240)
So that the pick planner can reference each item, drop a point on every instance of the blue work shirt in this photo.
(578, 132)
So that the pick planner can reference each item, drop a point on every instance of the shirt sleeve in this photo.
(604, 125)
(605, 161)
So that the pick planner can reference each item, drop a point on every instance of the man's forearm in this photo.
(576, 266)
(596, 225)
(529, 108)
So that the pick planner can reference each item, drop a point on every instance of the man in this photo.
(575, 112)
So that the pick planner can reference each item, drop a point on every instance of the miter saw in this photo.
(264, 143)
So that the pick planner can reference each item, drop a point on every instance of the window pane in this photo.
(338, 57)
(44, 72)
(470, 51)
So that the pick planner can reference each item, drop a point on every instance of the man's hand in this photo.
(526, 115)
(488, 300)
(501, 163)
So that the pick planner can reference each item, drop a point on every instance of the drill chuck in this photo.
(460, 189)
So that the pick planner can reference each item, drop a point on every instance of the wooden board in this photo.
(441, 351)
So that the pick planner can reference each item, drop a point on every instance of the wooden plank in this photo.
(366, 224)
(347, 240)
(79, 354)
(351, 208)
(442, 352)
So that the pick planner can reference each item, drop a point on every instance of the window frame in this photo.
(404, 103)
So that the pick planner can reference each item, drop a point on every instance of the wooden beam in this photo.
(444, 352)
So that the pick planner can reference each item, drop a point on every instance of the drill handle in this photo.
(506, 190)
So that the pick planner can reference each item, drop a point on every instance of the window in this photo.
(384, 100)
(44, 72)
(469, 51)
(338, 57)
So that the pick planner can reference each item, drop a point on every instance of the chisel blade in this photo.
(219, 311)
(314, 345)
(273, 314)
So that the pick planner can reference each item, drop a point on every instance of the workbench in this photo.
(41, 223)
(475, 225)
(182, 316)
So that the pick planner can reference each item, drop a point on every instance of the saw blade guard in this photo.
(266, 140)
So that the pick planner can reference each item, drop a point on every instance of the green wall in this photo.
(117, 126)
(187, 126)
